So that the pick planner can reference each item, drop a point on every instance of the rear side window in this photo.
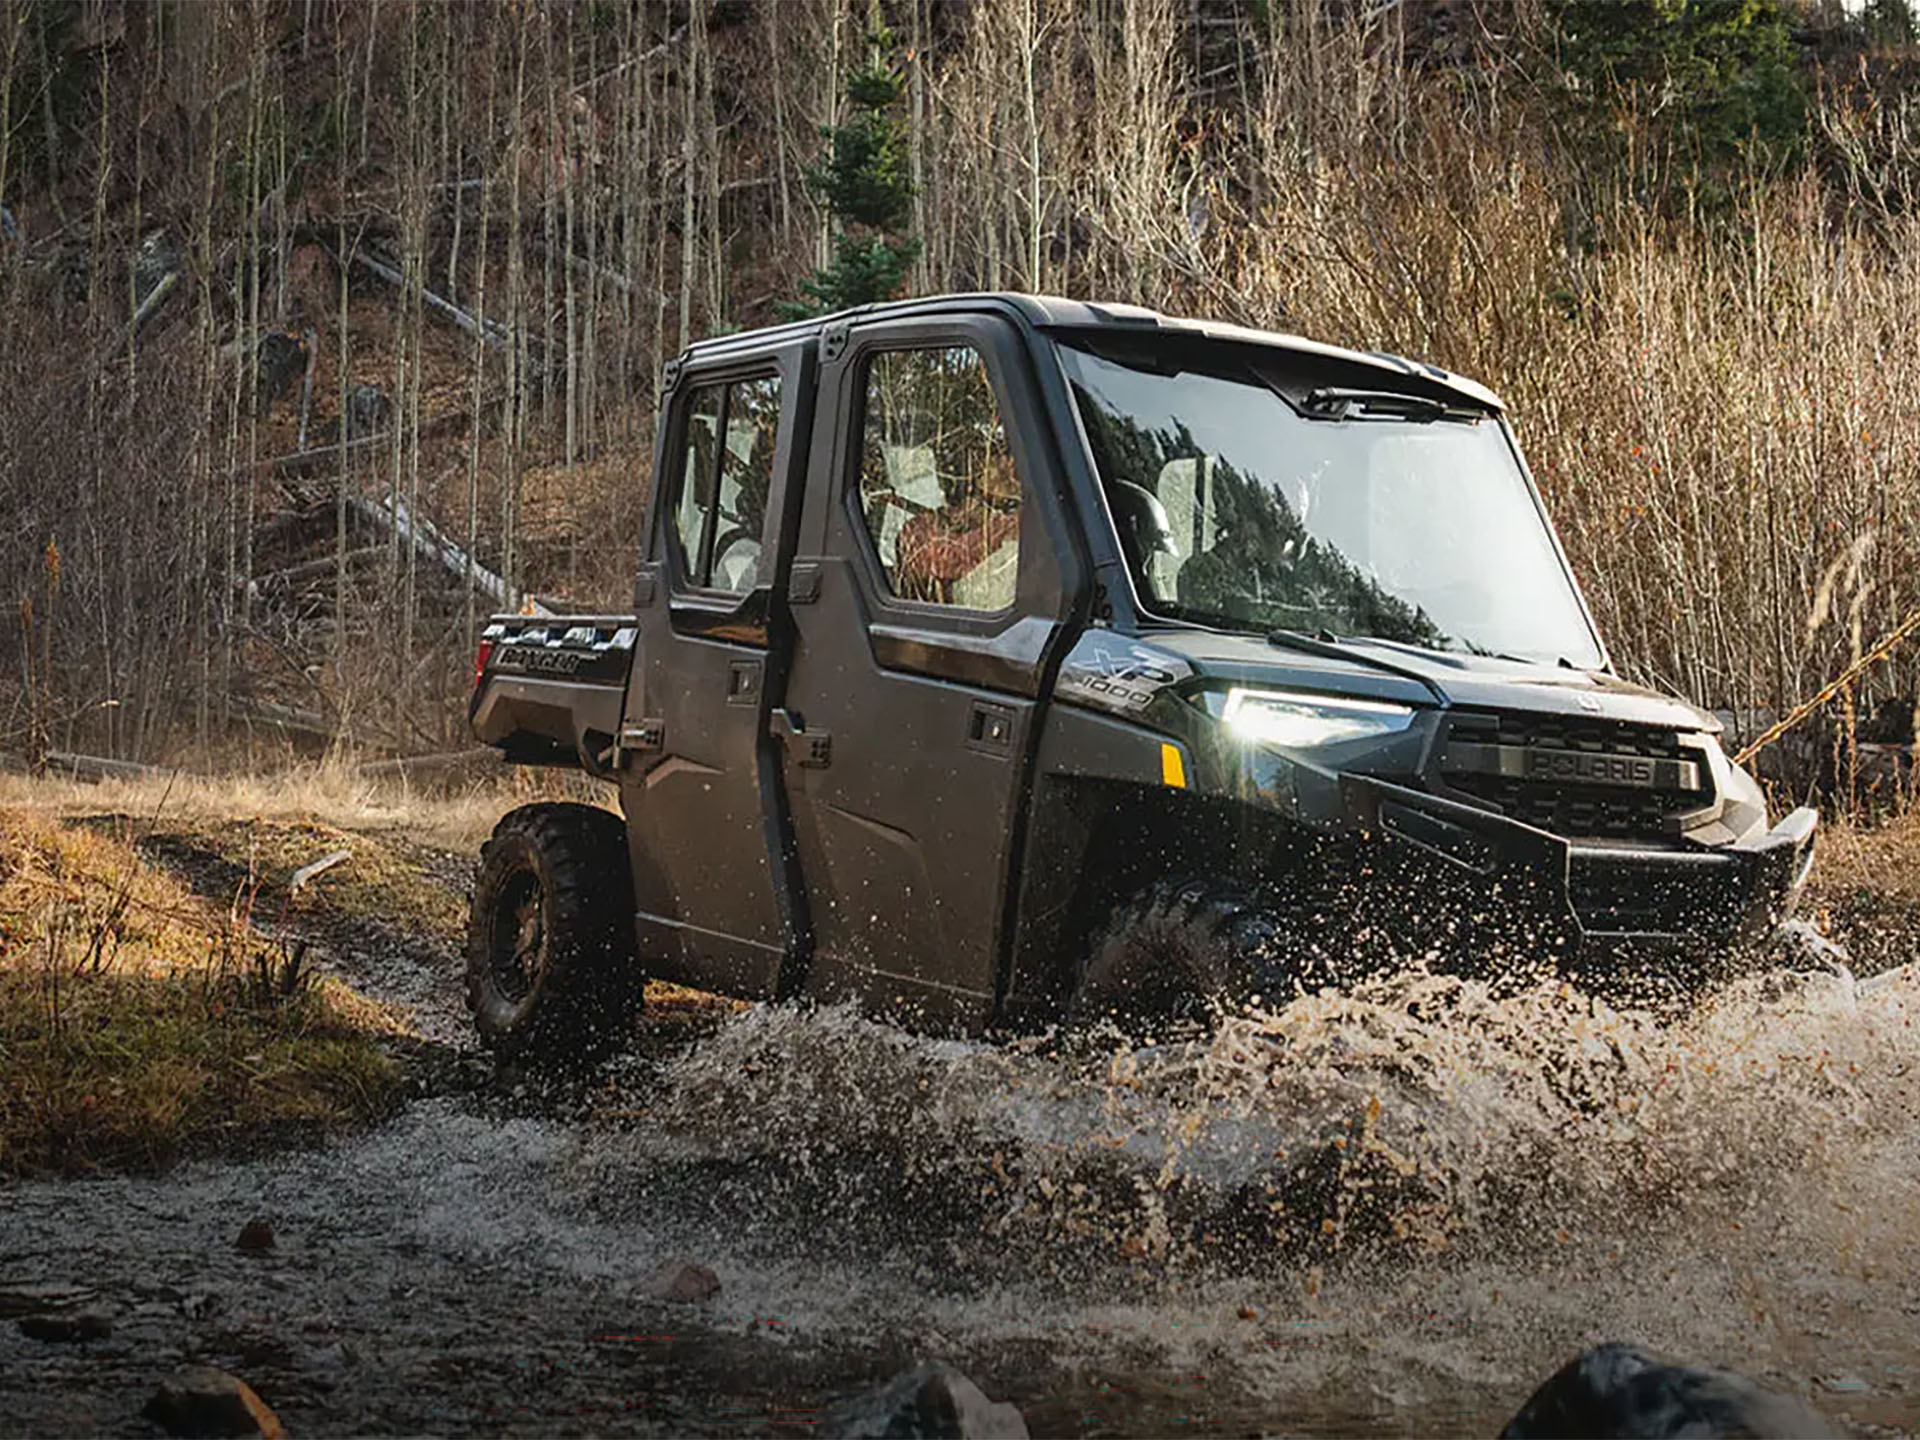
(725, 474)
(938, 488)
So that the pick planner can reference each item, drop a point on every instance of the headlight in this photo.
(1300, 722)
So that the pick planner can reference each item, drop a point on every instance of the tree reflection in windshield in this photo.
(1235, 510)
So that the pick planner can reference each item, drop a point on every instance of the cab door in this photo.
(930, 593)
(700, 773)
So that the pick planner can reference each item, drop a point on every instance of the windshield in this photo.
(1398, 522)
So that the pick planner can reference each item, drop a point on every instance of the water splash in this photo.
(1418, 1188)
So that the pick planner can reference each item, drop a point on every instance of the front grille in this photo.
(1620, 894)
(1575, 808)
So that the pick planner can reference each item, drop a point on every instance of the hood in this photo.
(1370, 670)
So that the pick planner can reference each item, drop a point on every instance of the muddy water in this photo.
(1390, 1212)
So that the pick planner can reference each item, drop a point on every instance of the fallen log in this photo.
(412, 767)
(427, 540)
(312, 569)
(94, 768)
(481, 329)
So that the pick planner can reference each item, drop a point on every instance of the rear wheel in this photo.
(1186, 949)
(551, 972)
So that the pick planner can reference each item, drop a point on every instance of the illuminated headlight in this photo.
(1300, 722)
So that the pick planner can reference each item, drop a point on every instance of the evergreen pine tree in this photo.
(864, 180)
(1714, 82)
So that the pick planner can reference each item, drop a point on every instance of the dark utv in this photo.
(1007, 659)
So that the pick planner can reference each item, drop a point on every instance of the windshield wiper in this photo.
(1327, 646)
(1478, 651)
(1333, 403)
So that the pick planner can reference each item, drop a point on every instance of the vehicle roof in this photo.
(1053, 312)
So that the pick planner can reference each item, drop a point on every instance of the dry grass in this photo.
(1866, 890)
(324, 794)
(139, 1022)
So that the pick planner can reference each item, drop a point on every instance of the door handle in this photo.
(814, 747)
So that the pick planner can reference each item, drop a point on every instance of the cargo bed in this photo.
(548, 688)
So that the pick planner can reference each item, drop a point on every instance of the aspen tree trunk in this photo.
(516, 321)
(343, 251)
(414, 237)
(452, 150)
(917, 143)
(708, 150)
(50, 128)
(397, 427)
(203, 443)
(366, 80)
(1029, 22)
(551, 145)
(657, 369)
(249, 363)
(689, 160)
(564, 136)
(14, 17)
(829, 107)
(488, 162)
(589, 150)
(96, 503)
(781, 139)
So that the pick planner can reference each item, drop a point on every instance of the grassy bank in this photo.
(140, 1022)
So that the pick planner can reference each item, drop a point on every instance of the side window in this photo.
(693, 510)
(726, 472)
(938, 488)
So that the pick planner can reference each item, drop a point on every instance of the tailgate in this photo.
(548, 689)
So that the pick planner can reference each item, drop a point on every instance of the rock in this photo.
(1620, 1390)
(930, 1402)
(684, 1282)
(63, 1329)
(282, 360)
(368, 411)
(199, 1400)
(256, 1236)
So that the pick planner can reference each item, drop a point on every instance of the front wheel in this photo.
(551, 972)
(1184, 950)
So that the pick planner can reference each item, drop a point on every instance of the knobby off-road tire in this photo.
(1185, 950)
(551, 972)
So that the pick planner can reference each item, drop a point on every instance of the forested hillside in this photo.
(332, 325)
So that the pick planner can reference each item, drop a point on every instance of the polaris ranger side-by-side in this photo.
(1008, 659)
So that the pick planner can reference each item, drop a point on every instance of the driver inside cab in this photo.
(967, 552)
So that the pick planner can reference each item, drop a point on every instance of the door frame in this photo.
(1017, 650)
(757, 620)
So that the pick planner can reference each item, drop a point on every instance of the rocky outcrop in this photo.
(683, 1282)
(932, 1401)
(1621, 1390)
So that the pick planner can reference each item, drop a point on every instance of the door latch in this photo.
(990, 728)
(645, 737)
(815, 747)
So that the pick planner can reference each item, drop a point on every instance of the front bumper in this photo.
(1596, 893)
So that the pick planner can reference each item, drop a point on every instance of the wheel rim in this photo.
(517, 948)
